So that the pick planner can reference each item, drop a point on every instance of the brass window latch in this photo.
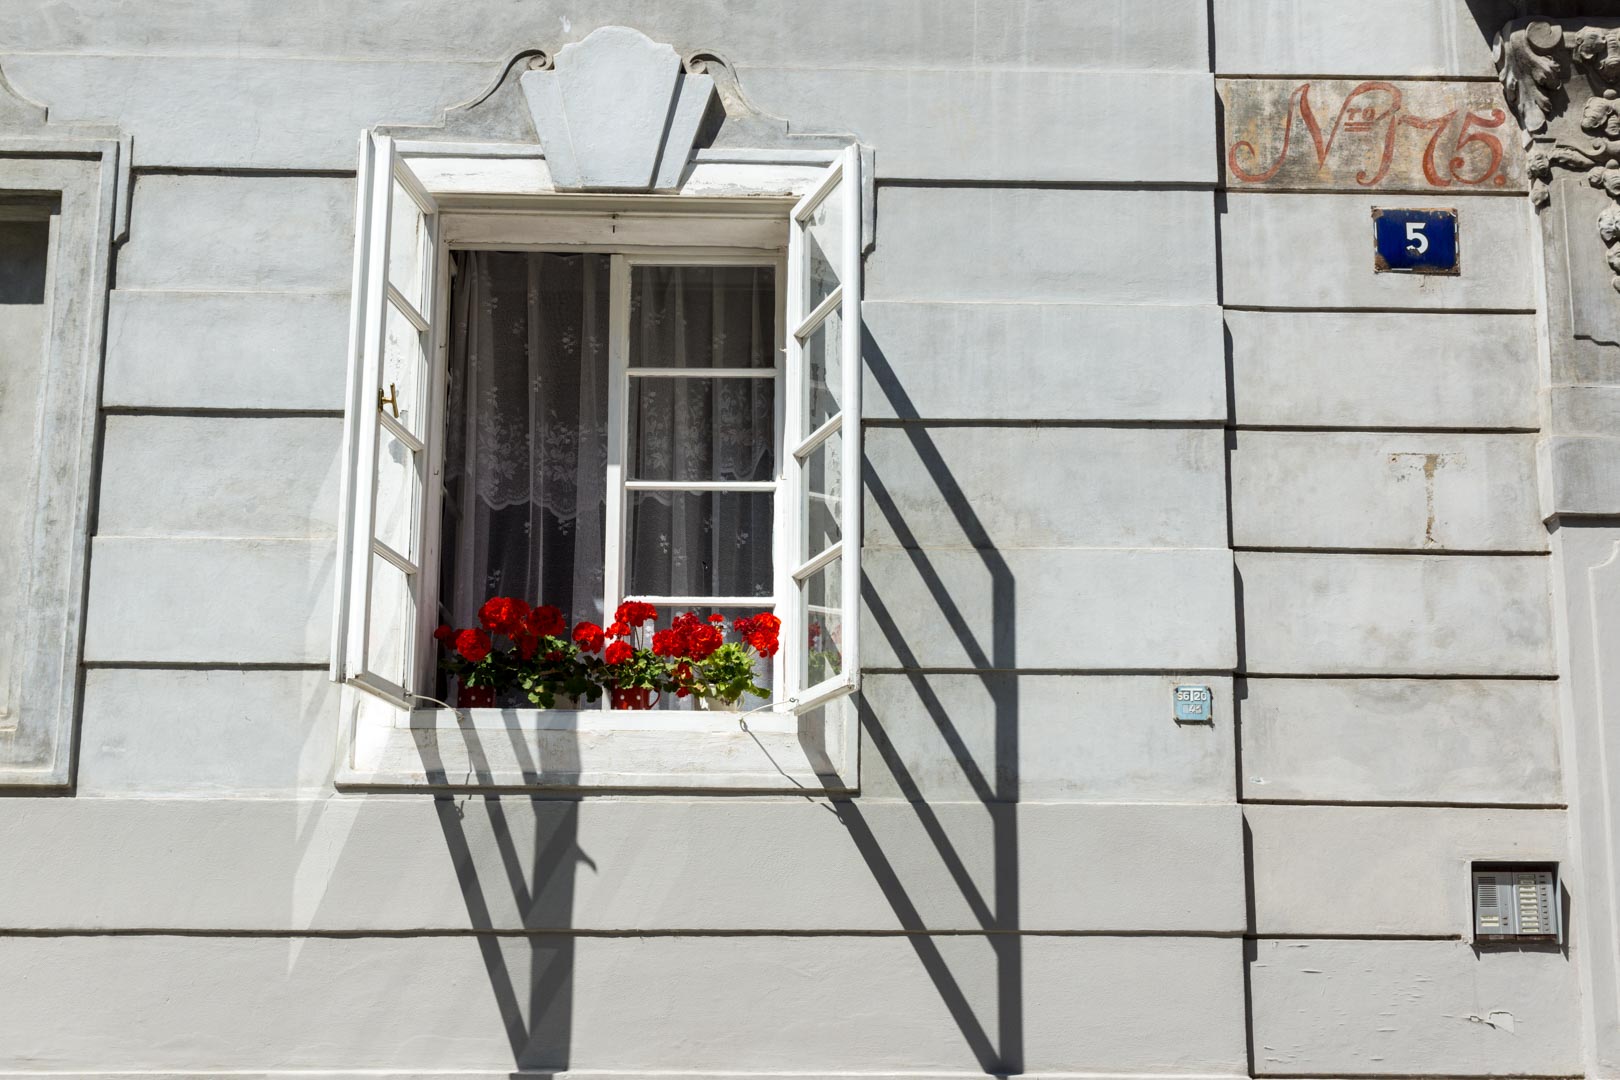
(389, 401)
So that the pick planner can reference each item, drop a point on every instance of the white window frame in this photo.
(732, 213)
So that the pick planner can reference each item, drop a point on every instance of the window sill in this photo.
(556, 750)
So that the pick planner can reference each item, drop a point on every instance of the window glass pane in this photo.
(392, 622)
(764, 669)
(823, 372)
(823, 248)
(399, 488)
(526, 433)
(823, 628)
(703, 316)
(823, 506)
(702, 429)
(699, 543)
(403, 363)
(405, 229)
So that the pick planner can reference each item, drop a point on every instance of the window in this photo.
(59, 204)
(547, 368)
(579, 400)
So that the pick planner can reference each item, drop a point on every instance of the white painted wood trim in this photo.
(700, 485)
(853, 372)
(763, 752)
(348, 469)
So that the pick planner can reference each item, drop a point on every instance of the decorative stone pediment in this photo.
(617, 112)
(26, 127)
(18, 112)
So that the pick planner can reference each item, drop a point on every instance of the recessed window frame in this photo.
(395, 738)
(87, 179)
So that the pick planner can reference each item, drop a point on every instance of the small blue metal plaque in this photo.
(1194, 705)
(1415, 241)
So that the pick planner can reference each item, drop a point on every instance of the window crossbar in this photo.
(701, 373)
(762, 602)
(820, 313)
(812, 565)
(407, 309)
(700, 485)
(819, 436)
(402, 433)
(400, 562)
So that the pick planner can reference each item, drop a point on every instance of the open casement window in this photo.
(822, 493)
(378, 645)
(578, 399)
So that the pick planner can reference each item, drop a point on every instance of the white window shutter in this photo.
(819, 578)
(377, 639)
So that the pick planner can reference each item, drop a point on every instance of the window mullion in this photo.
(780, 512)
(614, 563)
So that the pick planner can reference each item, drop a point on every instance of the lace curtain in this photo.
(526, 456)
(695, 428)
(526, 450)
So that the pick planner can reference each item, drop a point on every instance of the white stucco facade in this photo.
(1135, 415)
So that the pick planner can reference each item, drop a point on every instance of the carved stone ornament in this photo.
(1564, 82)
(617, 112)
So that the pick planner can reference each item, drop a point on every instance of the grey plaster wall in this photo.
(1399, 709)
(1124, 431)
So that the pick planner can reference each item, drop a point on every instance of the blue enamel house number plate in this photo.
(1194, 705)
(1415, 241)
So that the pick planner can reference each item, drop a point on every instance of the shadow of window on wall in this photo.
(996, 1041)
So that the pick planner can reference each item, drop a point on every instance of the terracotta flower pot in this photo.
(475, 697)
(632, 697)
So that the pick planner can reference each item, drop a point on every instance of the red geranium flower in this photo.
(588, 636)
(618, 629)
(527, 645)
(443, 633)
(473, 645)
(618, 652)
(503, 615)
(546, 621)
(669, 642)
(634, 613)
(703, 641)
(760, 632)
(716, 617)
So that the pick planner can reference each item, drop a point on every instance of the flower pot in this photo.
(475, 697)
(711, 703)
(632, 697)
